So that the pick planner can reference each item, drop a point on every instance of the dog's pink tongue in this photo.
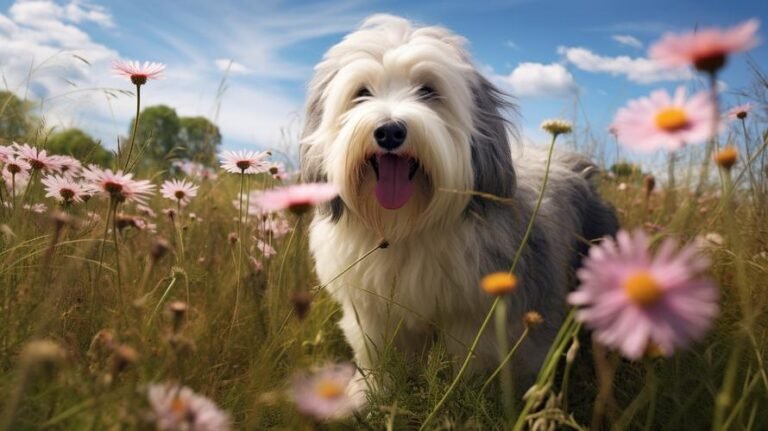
(394, 188)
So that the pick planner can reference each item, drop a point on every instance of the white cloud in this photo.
(539, 80)
(510, 44)
(640, 70)
(35, 11)
(627, 40)
(231, 66)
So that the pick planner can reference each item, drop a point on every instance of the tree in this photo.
(80, 145)
(200, 139)
(16, 122)
(626, 169)
(158, 134)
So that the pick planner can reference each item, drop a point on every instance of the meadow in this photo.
(113, 290)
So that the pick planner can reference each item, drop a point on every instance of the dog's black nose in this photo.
(390, 135)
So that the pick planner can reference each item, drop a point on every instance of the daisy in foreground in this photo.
(664, 121)
(180, 409)
(137, 72)
(326, 394)
(705, 49)
(245, 162)
(65, 190)
(636, 302)
(298, 198)
(117, 185)
(179, 191)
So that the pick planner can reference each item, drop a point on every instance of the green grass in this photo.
(57, 287)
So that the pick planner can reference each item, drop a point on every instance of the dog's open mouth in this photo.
(394, 179)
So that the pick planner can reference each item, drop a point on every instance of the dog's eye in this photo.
(362, 93)
(427, 92)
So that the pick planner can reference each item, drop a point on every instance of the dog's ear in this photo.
(491, 151)
(310, 158)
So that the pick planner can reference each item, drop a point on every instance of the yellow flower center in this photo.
(178, 405)
(671, 119)
(643, 289)
(329, 389)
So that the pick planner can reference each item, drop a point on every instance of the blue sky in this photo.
(579, 60)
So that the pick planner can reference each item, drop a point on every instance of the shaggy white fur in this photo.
(444, 238)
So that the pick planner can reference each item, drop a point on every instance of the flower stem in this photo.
(239, 252)
(117, 253)
(135, 127)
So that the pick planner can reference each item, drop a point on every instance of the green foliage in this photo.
(157, 135)
(16, 121)
(626, 169)
(165, 137)
(80, 145)
(200, 139)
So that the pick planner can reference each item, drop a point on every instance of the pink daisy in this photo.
(139, 73)
(297, 198)
(266, 250)
(634, 300)
(277, 170)
(36, 208)
(739, 112)
(257, 265)
(245, 162)
(179, 409)
(38, 159)
(664, 121)
(16, 165)
(118, 185)
(64, 189)
(705, 49)
(68, 166)
(327, 393)
(6, 152)
(194, 169)
(276, 227)
(181, 191)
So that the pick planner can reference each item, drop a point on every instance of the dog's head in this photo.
(402, 122)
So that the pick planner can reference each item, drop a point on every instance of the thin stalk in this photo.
(507, 391)
(505, 360)
(117, 254)
(711, 143)
(239, 252)
(135, 127)
(103, 242)
(179, 232)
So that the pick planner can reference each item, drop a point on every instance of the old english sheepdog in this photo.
(416, 140)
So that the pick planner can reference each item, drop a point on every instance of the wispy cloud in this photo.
(231, 66)
(636, 69)
(627, 40)
(43, 45)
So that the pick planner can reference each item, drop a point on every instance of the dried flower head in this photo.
(557, 127)
(727, 157)
(532, 319)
